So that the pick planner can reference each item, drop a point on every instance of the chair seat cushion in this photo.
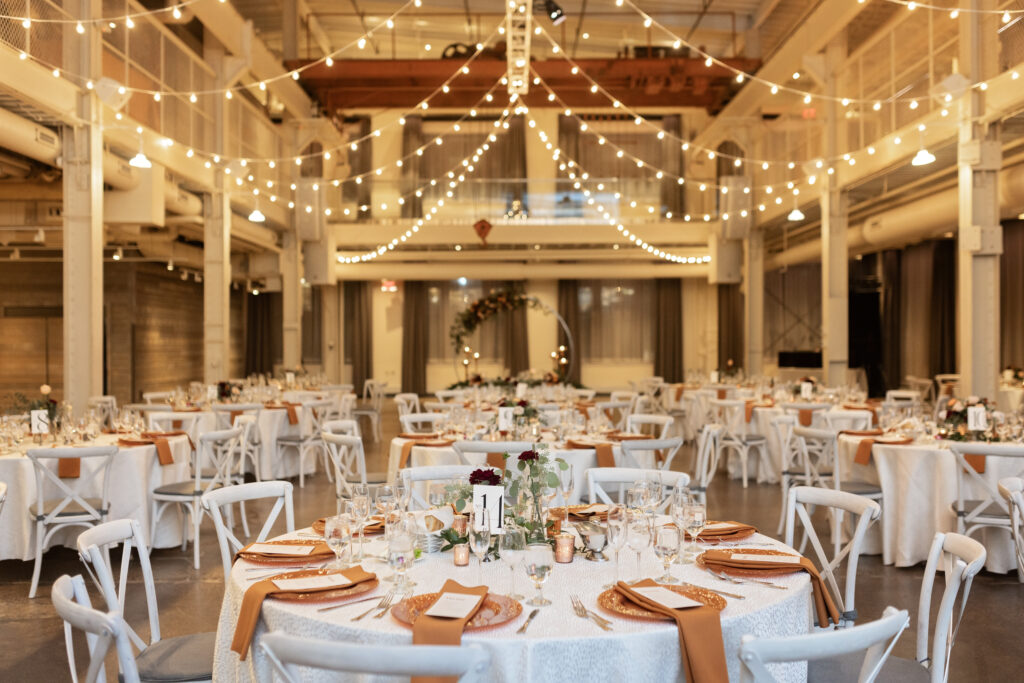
(291, 438)
(992, 514)
(847, 668)
(184, 658)
(861, 488)
(178, 488)
(73, 509)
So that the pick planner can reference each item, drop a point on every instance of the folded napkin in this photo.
(722, 394)
(418, 436)
(586, 512)
(823, 604)
(583, 406)
(863, 456)
(252, 602)
(864, 406)
(427, 630)
(723, 531)
(293, 414)
(69, 468)
(320, 551)
(605, 454)
(977, 462)
(805, 417)
(496, 460)
(704, 662)
(616, 435)
(680, 388)
(374, 525)
(164, 435)
(163, 449)
(750, 404)
(407, 447)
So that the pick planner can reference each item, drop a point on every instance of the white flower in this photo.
(45, 389)
(942, 414)
(518, 410)
(971, 400)
(958, 406)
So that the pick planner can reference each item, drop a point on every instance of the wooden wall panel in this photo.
(168, 330)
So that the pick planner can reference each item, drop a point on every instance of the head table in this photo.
(558, 647)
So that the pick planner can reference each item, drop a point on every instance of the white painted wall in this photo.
(387, 337)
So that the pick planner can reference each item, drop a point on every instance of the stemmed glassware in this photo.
(360, 507)
(538, 560)
(480, 539)
(338, 535)
(386, 499)
(666, 547)
(512, 544)
(402, 551)
(402, 493)
(638, 536)
(616, 531)
(695, 518)
(566, 485)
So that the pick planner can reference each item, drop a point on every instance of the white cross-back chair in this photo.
(105, 408)
(903, 396)
(347, 406)
(350, 427)
(736, 437)
(947, 384)
(407, 403)
(480, 449)
(961, 558)
(435, 473)
(214, 457)
(867, 646)
(923, 386)
(348, 459)
(847, 420)
(145, 409)
(450, 395)
(422, 423)
(157, 396)
(467, 663)
(373, 398)
(3, 495)
(633, 449)
(986, 507)
(816, 454)
(1012, 490)
(59, 503)
(70, 599)
(655, 425)
(278, 491)
(437, 407)
(181, 658)
(793, 472)
(623, 396)
(601, 480)
(246, 416)
(615, 412)
(706, 461)
(864, 512)
(308, 439)
(171, 421)
(582, 394)
(336, 393)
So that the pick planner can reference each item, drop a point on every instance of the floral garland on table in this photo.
(953, 421)
(520, 408)
(483, 309)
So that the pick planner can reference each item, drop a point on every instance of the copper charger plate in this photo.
(285, 560)
(712, 539)
(495, 611)
(331, 595)
(320, 525)
(752, 573)
(614, 602)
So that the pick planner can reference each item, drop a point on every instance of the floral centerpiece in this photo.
(953, 421)
(24, 404)
(521, 407)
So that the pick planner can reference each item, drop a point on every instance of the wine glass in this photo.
(386, 500)
(402, 493)
(401, 554)
(512, 544)
(538, 560)
(666, 547)
(480, 539)
(638, 535)
(566, 485)
(338, 535)
(694, 520)
(616, 532)
(360, 506)
(636, 496)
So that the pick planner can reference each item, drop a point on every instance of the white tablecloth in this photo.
(1010, 398)
(919, 484)
(133, 474)
(558, 647)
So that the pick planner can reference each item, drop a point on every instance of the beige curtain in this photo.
(668, 329)
(414, 338)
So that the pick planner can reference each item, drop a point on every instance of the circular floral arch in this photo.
(498, 301)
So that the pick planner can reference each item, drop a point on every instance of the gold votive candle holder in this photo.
(460, 523)
(564, 548)
(460, 554)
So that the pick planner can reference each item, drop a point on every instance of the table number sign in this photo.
(289, 378)
(40, 422)
(714, 376)
(806, 390)
(521, 390)
(492, 499)
(977, 421)
(506, 418)
(211, 393)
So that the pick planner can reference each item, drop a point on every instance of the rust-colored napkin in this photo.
(863, 455)
(806, 416)
(823, 604)
(864, 406)
(320, 551)
(252, 602)
(69, 468)
(409, 435)
(440, 631)
(293, 415)
(164, 435)
(407, 447)
(704, 661)
(724, 533)
(605, 454)
(977, 462)
(582, 407)
(722, 394)
(680, 388)
(163, 449)
(750, 404)
(496, 460)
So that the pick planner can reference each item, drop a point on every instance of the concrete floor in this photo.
(190, 601)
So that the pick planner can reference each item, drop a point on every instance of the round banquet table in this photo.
(272, 423)
(1010, 397)
(133, 474)
(558, 647)
(919, 484)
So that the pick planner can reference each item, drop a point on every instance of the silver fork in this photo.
(387, 606)
(384, 602)
(732, 579)
(583, 613)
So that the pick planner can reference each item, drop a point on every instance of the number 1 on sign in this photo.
(492, 499)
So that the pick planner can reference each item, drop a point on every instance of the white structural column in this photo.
(291, 301)
(541, 169)
(385, 189)
(753, 302)
(980, 239)
(83, 228)
(834, 220)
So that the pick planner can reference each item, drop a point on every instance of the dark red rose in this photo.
(485, 477)
(528, 455)
(523, 404)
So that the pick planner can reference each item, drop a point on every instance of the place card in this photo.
(718, 526)
(273, 549)
(491, 498)
(977, 421)
(453, 605)
(595, 509)
(776, 559)
(40, 422)
(317, 582)
(665, 597)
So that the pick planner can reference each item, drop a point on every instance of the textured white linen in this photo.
(134, 473)
(558, 646)
(919, 483)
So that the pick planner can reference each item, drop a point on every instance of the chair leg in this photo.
(38, 565)
(196, 520)
(744, 456)
(785, 497)
(302, 469)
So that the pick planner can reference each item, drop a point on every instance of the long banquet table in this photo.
(134, 472)
(557, 647)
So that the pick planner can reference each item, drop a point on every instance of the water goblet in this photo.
(401, 555)
(386, 499)
(566, 485)
(616, 532)
(512, 544)
(666, 547)
(338, 535)
(638, 536)
(538, 561)
(694, 520)
(480, 539)
(360, 507)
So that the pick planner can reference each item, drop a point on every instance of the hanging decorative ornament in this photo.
(483, 229)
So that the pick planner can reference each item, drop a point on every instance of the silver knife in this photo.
(529, 619)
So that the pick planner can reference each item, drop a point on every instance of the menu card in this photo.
(665, 597)
(273, 549)
(778, 559)
(317, 582)
(453, 605)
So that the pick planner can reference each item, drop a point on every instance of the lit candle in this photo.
(460, 524)
(564, 548)
(460, 554)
